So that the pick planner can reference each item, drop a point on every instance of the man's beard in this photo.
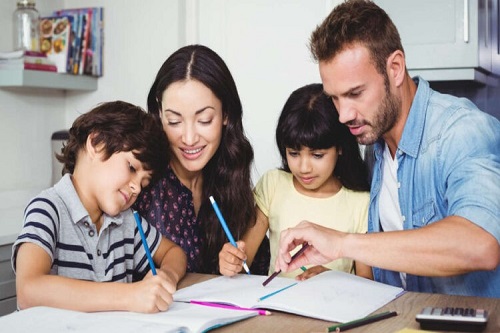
(384, 120)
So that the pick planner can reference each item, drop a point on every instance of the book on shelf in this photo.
(180, 317)
(86, 47)
(29, 60)
(332, 295)
(55, 39)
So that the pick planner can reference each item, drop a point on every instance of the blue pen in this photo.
(226, 229)
(144, 243)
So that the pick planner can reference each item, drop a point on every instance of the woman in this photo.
(195, 98)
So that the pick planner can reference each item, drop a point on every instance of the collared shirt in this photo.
(449, 164)
(57, 221)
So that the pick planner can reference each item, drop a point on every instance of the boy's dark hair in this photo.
(310, 119)
(120, 127)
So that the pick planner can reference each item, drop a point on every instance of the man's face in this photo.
(360, 94)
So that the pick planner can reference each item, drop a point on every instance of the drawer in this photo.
(8, 306)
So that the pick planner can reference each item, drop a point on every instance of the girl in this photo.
(322, 179)
(195, 98)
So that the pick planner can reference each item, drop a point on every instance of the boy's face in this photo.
(118, 181)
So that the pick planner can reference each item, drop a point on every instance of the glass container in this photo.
(26, 26)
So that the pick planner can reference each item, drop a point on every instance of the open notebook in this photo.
(332, 295)
(181, 317)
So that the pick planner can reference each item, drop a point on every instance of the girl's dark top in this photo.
(168, 205)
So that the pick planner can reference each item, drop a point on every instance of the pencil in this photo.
(261, 312)
(275, 292)
(275, 274)
(144, 242)
(360, 322)
(226, 229)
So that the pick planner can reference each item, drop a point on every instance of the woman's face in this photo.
(192, 119)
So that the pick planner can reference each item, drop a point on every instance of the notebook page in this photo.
(241, 290)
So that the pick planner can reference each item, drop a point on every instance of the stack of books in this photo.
(29, 60)
(73, 39)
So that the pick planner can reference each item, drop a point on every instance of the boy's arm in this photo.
(172, 261)
(36, 287)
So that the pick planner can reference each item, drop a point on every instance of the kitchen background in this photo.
(264, 43)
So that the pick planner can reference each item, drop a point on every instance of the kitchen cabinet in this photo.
(448, 39)
(7, 281)
(495, 37)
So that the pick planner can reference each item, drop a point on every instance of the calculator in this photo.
(453, 319)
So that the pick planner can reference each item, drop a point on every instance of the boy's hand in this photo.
(312, 271)
(231, 259)
(152, 294)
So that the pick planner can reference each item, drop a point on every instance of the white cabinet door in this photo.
(444, 39)
(494, 10)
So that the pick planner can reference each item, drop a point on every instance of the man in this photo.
(434, 216)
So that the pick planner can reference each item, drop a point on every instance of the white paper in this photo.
(180, 318)
(332, 295)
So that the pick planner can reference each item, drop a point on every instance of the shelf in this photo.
(50, 80)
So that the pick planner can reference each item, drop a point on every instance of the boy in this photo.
(82, 231)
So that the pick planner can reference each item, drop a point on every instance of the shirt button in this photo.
(399, 185)
(86, 224)
(404, 218)
(91, 233)
(99, 253)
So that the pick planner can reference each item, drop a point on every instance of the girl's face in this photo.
(192, 119)
(312, 170)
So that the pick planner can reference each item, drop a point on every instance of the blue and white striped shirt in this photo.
(57, 221)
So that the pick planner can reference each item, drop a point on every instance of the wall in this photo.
(138, 38)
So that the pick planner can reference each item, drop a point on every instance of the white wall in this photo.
(263, 42)
(139, 36)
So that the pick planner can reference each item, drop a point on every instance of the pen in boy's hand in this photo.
(144, 242)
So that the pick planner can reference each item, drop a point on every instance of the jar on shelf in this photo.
(26, 26)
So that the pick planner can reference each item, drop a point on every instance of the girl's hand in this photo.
(310, 272)
(231, 259)
(152, 294)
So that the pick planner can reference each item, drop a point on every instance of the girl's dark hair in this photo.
(227, 175)
(120, 127)
(310, 119)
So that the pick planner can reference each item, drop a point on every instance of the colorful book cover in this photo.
(87, 55)
(56, 39)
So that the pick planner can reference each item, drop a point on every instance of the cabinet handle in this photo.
(466, 21)
(487, 27)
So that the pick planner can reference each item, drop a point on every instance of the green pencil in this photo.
(361, 322)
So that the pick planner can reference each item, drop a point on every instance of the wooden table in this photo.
(407, 307)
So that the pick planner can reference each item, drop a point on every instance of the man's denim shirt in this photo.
(449, 164)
